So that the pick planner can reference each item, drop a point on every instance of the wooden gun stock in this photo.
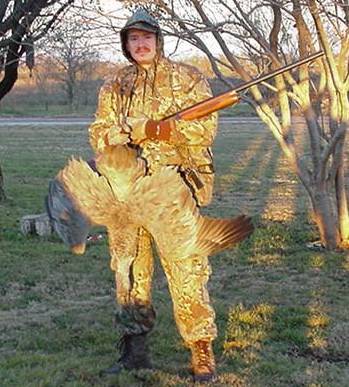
(207, 107)
(231, 97)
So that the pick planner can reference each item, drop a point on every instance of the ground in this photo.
(281, 307)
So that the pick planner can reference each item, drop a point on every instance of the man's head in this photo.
(141, 45)
(141, 38)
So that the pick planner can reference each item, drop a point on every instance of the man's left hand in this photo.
(159, 130)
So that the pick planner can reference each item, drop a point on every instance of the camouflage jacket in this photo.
(136, 95)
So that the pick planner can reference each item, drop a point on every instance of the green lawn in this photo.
(282, 308)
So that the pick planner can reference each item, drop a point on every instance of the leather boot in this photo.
(133, 354)
(202, 361)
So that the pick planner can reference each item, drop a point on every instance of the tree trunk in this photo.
(11, 67)
(70, 96)
(342, 200)
(325, 217)
(2, 189)
(342, 206)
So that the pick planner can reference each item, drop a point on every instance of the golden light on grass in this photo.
(316, 341)
(237, 344)
(265, 259)
(317, 261)
(317, 321)
(247, 327)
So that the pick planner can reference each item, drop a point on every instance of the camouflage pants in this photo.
(187, 279)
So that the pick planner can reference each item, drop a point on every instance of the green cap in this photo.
(141, 20)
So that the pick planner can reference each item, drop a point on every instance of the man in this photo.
(129, 112)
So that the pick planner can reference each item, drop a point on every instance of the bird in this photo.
(121, 196)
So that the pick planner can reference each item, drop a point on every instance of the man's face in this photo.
(141, 45)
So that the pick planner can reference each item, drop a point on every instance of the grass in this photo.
(37, 110)
(282, 309)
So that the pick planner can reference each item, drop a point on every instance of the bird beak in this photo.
(78, 249)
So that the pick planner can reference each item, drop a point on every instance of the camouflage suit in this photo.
(126, 103)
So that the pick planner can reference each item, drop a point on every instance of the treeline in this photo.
(53, 88)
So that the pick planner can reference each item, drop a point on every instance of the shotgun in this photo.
(231, 97)
(221, 101)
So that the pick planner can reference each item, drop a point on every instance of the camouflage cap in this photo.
(141, 20)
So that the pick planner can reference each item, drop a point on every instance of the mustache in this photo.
(142, 49)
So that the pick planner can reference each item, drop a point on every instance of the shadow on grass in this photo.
(245, 186)
(286, 322)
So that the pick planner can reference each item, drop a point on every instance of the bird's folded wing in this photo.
(90, 192)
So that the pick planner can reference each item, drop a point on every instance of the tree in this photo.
(71, 52)
(44, 85)
(267, 35)
(22, 23)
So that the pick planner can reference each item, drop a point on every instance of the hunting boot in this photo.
(133, 354)
(202, 361)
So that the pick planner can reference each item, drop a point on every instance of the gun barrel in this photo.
(231, 97)
(281, 70)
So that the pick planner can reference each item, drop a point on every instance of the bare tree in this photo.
(72, 53)
(22, 23)
(267, 35)
(42, 73)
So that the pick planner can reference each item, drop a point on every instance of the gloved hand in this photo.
(159, 130)
(143, 128)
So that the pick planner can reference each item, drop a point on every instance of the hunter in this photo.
(129, 112)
